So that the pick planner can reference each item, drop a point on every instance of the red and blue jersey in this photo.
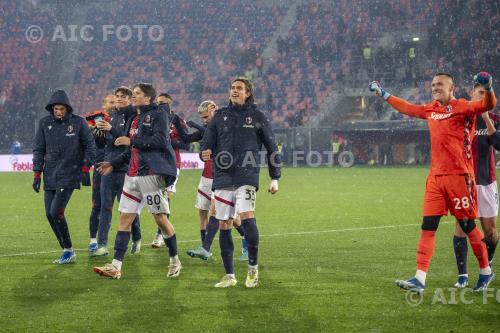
(484, 154)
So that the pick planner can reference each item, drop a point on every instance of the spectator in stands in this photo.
(15, 148)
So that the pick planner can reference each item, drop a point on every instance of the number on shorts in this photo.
(153, 199)
(250, 195)
(461, 203)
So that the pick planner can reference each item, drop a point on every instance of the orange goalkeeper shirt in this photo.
(451, 129)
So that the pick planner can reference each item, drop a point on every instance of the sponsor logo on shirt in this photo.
(440, 116)
(483, 131)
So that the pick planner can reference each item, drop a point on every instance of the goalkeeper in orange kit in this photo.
(450, 184)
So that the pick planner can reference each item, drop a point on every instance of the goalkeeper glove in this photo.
(485, 79)
(379, 90)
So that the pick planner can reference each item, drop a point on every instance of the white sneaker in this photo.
(108, 270)
(252, 280)
(158, 241)
(100, 252)
(174, 269)
(226, 282)
(463, 281)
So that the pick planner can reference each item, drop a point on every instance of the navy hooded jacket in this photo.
(236, 135)
(62, 146)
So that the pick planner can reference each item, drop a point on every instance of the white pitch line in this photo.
(270, 235)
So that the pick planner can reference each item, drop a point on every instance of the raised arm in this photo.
(397, 103)
(184, 135)
(493, 135)
(407, 108)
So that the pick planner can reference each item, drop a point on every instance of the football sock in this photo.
(478, 247)
(93, 241)
(64, 231)
(202, 235)
(174, 259)
(136, 229)
(421, 275)
(485, 271)
(171, 242)
(460, 247)
(117, 264)
(212, 228)
(94, 221)
(121, 243)
(490, 247)
(252, 238)
(226, 250)
(55, 230)
(425, 249)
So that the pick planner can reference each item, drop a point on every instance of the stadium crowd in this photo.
(331, 47)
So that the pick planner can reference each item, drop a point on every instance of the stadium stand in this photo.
(329, 48)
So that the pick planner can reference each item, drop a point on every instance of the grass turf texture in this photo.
(330, 279)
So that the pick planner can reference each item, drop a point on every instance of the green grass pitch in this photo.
(333, 242)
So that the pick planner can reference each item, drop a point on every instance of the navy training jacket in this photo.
(236, 135)
(153, 141)
(118, 123)
(62, 146)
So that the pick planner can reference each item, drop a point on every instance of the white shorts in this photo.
(141, 190)
(204, 194)
(229, 201)
(487, 197)
(172, 187)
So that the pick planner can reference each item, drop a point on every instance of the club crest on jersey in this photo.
(49, 127)
(248, 122)
(449, 108)
(71, 131)
(147, 120)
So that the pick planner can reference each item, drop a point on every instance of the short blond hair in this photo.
(204, 106)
